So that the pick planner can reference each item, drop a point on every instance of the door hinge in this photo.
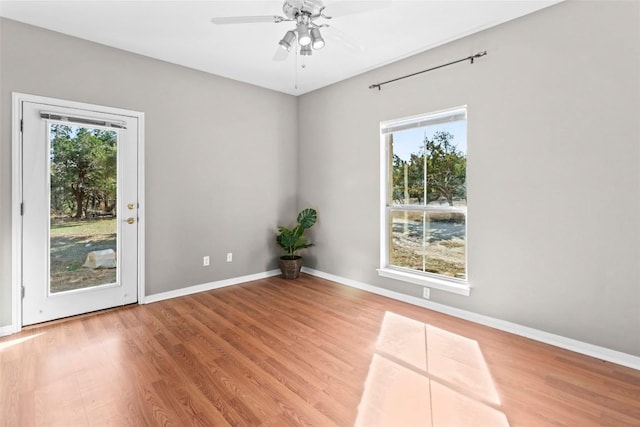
(21, 125)
(21, 209)
(22, 291)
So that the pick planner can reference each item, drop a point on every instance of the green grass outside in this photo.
(443, 257)
(71, 242)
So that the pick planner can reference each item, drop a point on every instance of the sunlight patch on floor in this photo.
(10, 343)
(394, 396)
(426, 376)
(458, 362)
(404, 339)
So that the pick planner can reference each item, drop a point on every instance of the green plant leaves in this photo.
(293, 239)
(307, 217)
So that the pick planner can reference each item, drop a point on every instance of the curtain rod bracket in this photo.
(470, 58)
(477, 55)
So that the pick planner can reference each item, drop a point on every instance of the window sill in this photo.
(429, 282)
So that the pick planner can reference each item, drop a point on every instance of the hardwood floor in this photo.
(309, 352)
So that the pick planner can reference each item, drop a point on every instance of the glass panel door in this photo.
(79, 210)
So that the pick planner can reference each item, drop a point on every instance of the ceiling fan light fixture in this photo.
(303, 35)
(316, 39)
(287, 40)
(306, 50)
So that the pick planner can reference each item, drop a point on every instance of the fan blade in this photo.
(281, 54)
(223, 20)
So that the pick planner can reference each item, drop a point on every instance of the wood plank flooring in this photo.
(276, 352)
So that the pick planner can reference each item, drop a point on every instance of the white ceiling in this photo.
(181, 32)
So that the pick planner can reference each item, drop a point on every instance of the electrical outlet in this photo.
(229, 257)
(426, 293)
(206, 261)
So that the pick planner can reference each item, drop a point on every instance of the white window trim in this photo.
(426, 281)
(456, 286)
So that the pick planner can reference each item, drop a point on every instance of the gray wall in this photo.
(220, 155)
(554, 169)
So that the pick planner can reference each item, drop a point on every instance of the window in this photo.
(424, 200)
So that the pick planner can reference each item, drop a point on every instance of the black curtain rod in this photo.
(468, 58)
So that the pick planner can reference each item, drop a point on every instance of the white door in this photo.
(79, 212)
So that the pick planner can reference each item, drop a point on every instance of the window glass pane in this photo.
(408, 167)
(446, 164)
(429, 165)
(83, 199)
(433, 242)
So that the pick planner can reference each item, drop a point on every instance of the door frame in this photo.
(17, 196)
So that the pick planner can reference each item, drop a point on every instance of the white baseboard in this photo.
(208, 286)
(598, 352)
(6, 330)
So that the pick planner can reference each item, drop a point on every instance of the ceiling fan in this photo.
(304, 13)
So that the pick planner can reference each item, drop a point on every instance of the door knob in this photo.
(131, 206)
(131, 220)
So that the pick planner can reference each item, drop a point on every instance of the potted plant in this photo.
(292, 240)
